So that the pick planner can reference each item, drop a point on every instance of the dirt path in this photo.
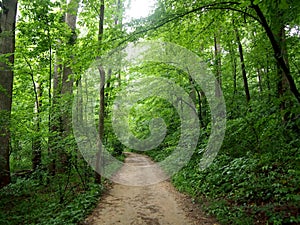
(158, 204)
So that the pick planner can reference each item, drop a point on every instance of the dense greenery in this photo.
(245, 185)
(28, 201)
(250, 46)
(255, 177)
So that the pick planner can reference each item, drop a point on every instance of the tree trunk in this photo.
(244, 73)
(99, 160)
(193, 92)
(7, 47)
(36, 142)
(67, 82)
(204, 108)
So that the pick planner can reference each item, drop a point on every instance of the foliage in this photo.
(254, 179)
(30, 201)
(256, 187)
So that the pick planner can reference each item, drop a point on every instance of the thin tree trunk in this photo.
(36, 142)
(244, 73)
(7, 46)
(99, 160)
(218, 65)
(204, 106)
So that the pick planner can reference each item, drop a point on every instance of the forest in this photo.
(220, 79)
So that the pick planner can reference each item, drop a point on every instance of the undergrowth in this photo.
(30, 201)
(247, 190)
(255, 179)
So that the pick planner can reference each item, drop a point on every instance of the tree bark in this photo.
(99, 160)
(244, 73)
(67, 82)
(7, 48)
(67, 79)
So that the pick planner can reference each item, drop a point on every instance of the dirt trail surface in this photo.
(158, 204)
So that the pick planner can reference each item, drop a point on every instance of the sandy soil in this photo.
(158, 204)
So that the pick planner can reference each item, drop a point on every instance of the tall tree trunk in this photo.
(67, 79)
(7, 48)
(67, 85)
(244, 73)
(99, 160)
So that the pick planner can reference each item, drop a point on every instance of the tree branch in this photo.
(213, 6)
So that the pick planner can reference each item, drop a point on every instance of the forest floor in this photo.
(157, 204)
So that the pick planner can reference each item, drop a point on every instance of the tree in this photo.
(68, 81)
(243, 67)
(218, 65)
(7, 48)
(99, 160)
(278, 45)
(61, 93)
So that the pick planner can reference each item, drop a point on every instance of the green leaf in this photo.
(283, 4)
